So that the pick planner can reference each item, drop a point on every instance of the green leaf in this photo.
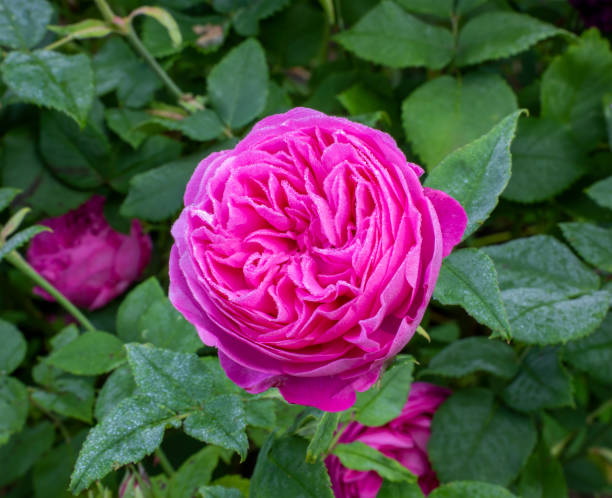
(385, 400)
(235, 481)
(323, 436)
(495, 35)
(221, 421)
(164, 18)
(73, 397)
(200, 126)
(20, 239)
(23, 449)
(130, 432)
(545, 161)
(138, 300)
(124, 122)
(281, 464)
(219, 492)
(542, 382)
(474, 438)
(446, 113)
(118, 386)
(13, 348)
(157, 194)
(13, 407)
(360, 456)
(541, 262)
(474, 354)
(601, 192)
(440, 8)
(194, 472)
(164, 327)
(390, 36)
(391, 489)
(23, 22)
(24, 170)
(471, 490)
(593, 354)
(593, 243)
(50, 79)
(468, 278)
(574, 84)
(486, 162)
(238, 84)
(261, 412)
(542, 477)
(78, 157)
(7, 195)
(246, 20)
(83, 30)
(92, 353)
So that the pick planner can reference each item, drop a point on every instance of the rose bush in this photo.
(404, 439)
(307, 255)
(88, 261)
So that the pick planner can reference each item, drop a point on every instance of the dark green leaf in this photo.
(468, 278)
(474, 354)
(50, 79)
(201, 125)
(133, 307)
(391, 489)
(196, 471)
(389, 35)
(261, 413)
(118, 386)
(360, 456)
(601, 192)
(486, 162)
(13, 407)
(219, 492)
(446, 113)
(471, 490)
(281, 464)
(246, 20)
(92, 353)
(440, 8)
(124, 122)
(13, 348)
(474, 438)
(51, 473)
(542, 477)
(495, 35)
(542, 382)
(593, 354)
(7, 195)
(23, 22)
(385, 400)
(323, 436)
(593, 243)
(69, 396)
(545, 161)
(238, 85)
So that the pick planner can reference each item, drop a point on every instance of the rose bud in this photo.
(308, 254)
(85, 259)
(404, 439)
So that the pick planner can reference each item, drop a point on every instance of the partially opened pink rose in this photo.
(88, 261)
(404, 439)
(307, 255)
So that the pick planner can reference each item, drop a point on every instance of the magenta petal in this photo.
(453, 218)
(325, 393)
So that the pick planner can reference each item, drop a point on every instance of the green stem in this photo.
(165, 463)
(22, 265)
(105, 10)
(58, 43)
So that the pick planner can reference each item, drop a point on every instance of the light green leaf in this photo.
(20, 239)
(221, 421)
(390, 36)
(593, 354)
(542, 382)
(470, 490)
(23, 22)
(440, 8)
(474, 438)
(474, 354)
(446, 113)
(545, 161)
(281, 464)
(601, 192)
(124, 122)
(83, 30)
(157, 194)
(138, 300)
(196, 471)
(50, 79)
(23, 450)
(131, 431)
(323, 436)
(593, 243)
(7, 195)
(261, 412)
(235, 481)
(238, 84)
(118, 386)
(92, 353)
(163, 17)
(360, 456)
(495, 35)
(574, 84)
(13, 348)
(542, 477)
(468, 278)
(385, 400)
(486, 162)
(219, 492)
(201, 125)
(13, 407)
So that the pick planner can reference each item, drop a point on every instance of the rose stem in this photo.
(22, 265)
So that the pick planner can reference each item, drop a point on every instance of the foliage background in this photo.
(125, 102)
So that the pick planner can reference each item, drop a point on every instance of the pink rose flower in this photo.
(88, 261)
(307, 255)
(404, 439)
